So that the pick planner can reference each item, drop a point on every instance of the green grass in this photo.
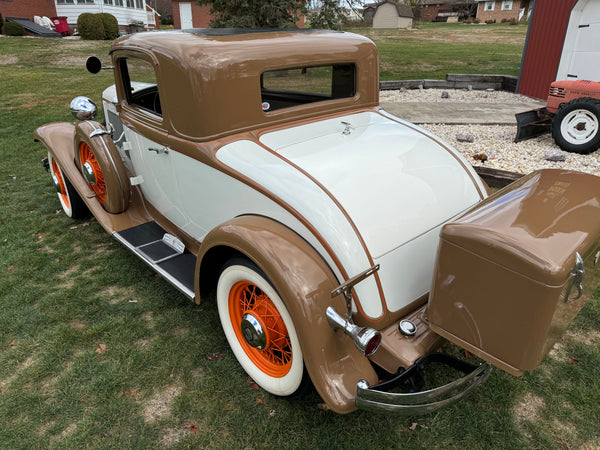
(431, 51)
(66, 287)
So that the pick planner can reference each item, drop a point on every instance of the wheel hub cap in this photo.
(57, 185)
(253, 331)
(88, 173)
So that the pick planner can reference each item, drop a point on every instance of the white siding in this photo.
(124, 15)
(386, 16)
(580, 59)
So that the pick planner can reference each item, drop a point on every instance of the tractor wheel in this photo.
(576, 126)
(71, 202)
(259, 328)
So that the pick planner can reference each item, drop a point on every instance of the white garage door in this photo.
(580, 59)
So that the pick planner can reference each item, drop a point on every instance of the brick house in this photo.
(26, 9)
(188, 14)
(442, 10)
(503, 10)
(127, 12)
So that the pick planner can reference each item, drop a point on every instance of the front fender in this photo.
(304, 282)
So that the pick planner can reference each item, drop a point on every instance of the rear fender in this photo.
(304, 282)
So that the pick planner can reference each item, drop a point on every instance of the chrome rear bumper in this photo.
(380, 398)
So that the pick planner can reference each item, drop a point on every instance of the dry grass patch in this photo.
(118, 294)
(529, 409)
(24, 365)
(158, 406)
(8, 59)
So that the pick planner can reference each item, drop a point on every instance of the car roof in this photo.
(220, 70)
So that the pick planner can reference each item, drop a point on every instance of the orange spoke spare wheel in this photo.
(92, 171)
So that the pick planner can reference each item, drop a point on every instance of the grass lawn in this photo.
(98, 352)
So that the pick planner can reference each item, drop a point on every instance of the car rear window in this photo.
(285, 88)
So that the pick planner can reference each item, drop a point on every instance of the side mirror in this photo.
(93, 64)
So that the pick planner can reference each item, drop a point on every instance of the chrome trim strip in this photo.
(420, 402)
(167, 276)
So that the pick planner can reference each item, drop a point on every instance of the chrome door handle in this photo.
(159, 151)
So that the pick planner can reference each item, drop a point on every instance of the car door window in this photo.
(141, 87)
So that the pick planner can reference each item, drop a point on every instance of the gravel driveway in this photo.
(496, 141)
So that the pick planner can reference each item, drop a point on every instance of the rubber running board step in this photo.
(145, 241)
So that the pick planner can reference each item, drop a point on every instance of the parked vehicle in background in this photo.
(572, 114)
(343, 243)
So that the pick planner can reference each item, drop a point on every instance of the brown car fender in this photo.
(304, 282)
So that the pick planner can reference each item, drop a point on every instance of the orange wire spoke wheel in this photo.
(60, 184)
(92, 172)
(260, 329)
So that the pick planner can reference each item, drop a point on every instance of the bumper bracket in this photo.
(380, 397)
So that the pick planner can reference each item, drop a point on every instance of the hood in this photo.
(394, 180)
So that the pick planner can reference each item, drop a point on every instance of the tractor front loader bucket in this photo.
(533, 123)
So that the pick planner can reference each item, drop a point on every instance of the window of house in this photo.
(62, 2)
(108, 2)
(130, 4)
(118, 2)
(85, 2)
(139, 4)
(489, 6)
(141, 87)
(298, 86)
(507, 5)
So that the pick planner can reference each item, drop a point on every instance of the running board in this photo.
(162, 252)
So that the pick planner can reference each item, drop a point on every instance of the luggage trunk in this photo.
(513, 272)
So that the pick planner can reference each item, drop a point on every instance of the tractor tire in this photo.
(576, 126)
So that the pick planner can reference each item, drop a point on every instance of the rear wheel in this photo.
(576, 126)
(259, 328)
(71, 202)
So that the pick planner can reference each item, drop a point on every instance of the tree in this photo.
(255, 13)
(331, 14)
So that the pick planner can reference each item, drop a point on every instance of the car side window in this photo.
(141, 87)
(285, 88)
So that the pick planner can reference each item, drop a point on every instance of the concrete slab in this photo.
(461, 112)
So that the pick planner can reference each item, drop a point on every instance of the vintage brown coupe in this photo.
(342, 242)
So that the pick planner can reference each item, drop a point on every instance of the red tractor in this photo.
(572, 113)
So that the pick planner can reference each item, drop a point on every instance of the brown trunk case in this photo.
(506, 270)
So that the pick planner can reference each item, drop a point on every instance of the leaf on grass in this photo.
(468, 354)
(101, 348)
(253, 384)
(573, 361)
(13, 343)
(85, 224)
(323, 406)
(260, 400)
(79, 325)
(10, 268)
(413, 426)
(216, 356)
(271, 413)
(39, 236)
(74, 227)
(193, 428)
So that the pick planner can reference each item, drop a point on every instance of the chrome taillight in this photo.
(366, 339)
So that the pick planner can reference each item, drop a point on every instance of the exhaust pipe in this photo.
(367, 340)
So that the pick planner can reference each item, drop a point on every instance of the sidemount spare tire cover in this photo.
(100, 163)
